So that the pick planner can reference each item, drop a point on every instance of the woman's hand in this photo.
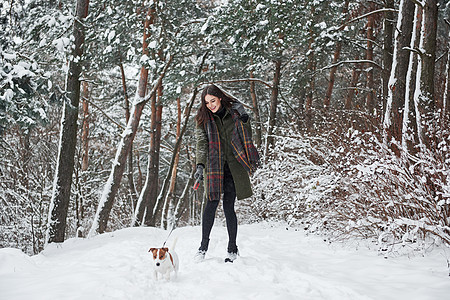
(237, 106)
(198, 175)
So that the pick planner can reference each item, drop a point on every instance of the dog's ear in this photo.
(166, 249)
(152, 249)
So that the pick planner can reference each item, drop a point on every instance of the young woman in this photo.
(225, 157)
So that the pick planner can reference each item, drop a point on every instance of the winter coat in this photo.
(225, 127)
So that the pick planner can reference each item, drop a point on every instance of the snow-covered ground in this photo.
(275, 263)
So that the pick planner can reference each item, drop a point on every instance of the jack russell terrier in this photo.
(165, 262)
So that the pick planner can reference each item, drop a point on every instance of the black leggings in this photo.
(229, 197)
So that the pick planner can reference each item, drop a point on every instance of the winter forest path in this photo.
(275, 263)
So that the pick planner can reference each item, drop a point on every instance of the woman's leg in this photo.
(209, 215)
(229, 197)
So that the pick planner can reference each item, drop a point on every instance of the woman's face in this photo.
(212, 103)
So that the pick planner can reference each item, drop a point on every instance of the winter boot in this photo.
(232, 253)
(200, 255)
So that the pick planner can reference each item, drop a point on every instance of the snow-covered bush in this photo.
(294, 178)
(343, 182)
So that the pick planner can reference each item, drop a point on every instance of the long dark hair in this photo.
(203, 112)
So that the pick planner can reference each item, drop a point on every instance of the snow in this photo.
(21, 70)
(111, 35)
(260, 7)
(61, 44)
(276, 262)
(9, 56)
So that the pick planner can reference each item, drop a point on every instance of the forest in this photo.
(349, 103)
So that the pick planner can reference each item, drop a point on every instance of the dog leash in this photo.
(168, 237)
(170, 255)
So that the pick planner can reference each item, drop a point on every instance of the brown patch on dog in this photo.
(162, 252)
(154, 251)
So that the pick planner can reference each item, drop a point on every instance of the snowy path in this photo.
(275, 263)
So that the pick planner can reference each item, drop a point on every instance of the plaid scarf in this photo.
(243, 149)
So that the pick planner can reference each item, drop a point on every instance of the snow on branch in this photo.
(366, 15)
(156, 84)
(242, 80)
(351, 62)
(415, 50)
(419, 3)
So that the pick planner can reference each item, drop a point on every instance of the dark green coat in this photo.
(225, 127)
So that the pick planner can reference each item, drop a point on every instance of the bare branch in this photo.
(351, 62)
(242, 80)
(415, 50)
(105, 114)
(366, 15)
(440, 57)
(418, 3)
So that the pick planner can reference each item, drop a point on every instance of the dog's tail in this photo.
(174, 243)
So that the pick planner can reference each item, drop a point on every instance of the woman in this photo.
(225, 157)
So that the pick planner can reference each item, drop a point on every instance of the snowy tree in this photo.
(424, 94)
(22, 79)
(307, 69)
(397, 82)
(65, 162)
(165, 39)
(30, 54)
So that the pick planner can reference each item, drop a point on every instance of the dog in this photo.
(165, 262)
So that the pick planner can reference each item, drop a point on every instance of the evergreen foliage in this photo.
(327, 169)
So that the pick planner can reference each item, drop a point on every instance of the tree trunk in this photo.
(273, 105)
(132, 187)
(258, 136)
(388, 48)
(430, 15)
(337, 54)
(409, 128)
(370, 102)
(65, 163)
(111, 187)
(425, 98)
(329, 92)
(85, 129)
(351, 91)
(446, 99)
(397, 81)
(310, 71)
(167, 217)
(150, 219)
(126, 103)
(144, 198)
(147, 198)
